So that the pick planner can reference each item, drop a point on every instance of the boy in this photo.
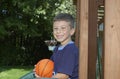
(65, 55)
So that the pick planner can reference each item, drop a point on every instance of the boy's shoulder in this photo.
(72, 45)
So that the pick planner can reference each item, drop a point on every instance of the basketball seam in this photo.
(48, 72)
(44, 69)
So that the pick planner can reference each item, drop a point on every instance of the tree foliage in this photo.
(25, 25)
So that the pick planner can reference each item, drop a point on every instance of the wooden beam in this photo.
(87, 40)
(112, 40)
(92, 39)
(77, 32)
(83, 41)
(100, 2)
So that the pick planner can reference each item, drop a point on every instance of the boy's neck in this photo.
(63, 44)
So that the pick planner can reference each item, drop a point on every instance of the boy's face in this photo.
(62, 31)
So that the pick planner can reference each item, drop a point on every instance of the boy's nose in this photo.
(59, 31)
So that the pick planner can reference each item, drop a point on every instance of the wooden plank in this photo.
(92, 39)
(87, 40)
(83, 40)
(112, 40)
(100, 2)
(77, 32)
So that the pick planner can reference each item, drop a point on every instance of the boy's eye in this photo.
(63, 28)
(55, 28)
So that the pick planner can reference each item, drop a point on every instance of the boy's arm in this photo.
(61, 76)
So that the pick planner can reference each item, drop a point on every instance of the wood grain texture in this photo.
(112, 40)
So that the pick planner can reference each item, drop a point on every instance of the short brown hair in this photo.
(65, 17)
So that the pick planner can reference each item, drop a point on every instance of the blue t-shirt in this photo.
(66, 60)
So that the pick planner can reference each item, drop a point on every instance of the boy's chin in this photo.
(60, 41)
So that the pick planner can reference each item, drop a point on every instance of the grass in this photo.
(9, 72)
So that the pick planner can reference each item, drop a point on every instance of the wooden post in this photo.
(112, 40)
(77, 32)
(88, 38)
(92, 39)
(83, 40)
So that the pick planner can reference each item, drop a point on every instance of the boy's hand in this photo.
(38, 77)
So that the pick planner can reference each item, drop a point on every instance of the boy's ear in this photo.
(72, 31)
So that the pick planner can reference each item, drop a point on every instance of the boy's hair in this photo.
(65, 17)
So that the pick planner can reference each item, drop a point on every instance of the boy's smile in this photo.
(62, 31)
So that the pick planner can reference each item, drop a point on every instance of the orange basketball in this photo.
(44, 68)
